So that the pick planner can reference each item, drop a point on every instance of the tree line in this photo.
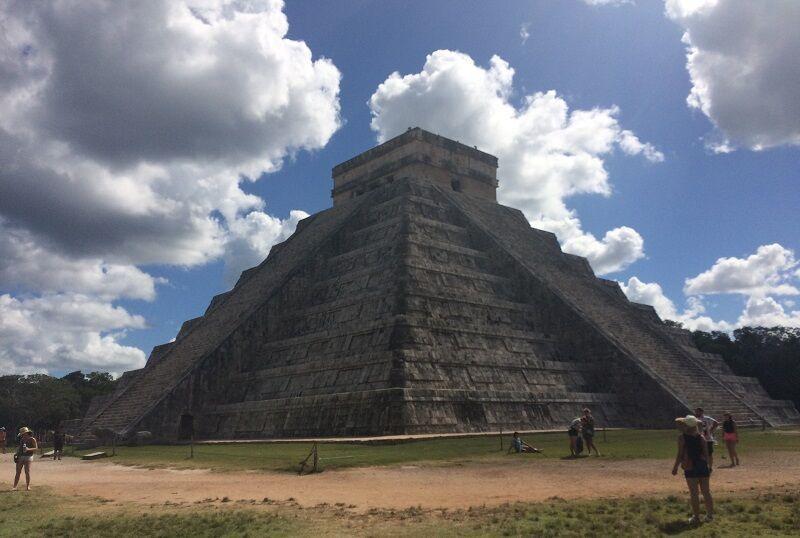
(771, 354)
(43, 402)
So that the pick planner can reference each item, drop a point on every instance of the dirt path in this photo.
(401, 487)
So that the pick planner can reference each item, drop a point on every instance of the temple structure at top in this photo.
(421, 154)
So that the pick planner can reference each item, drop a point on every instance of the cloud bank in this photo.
(768, 273)
(126, 132)
(547, 152)
(742, 61)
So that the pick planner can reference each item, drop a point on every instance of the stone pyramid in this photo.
(418, 304)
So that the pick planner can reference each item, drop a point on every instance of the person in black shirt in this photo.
(693, 458)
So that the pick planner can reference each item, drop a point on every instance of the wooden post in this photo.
(316, 458)
(114, 444)
(191, 446)
(501, 438)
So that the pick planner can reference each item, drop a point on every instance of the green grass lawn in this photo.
(768, 513)
(619, 444)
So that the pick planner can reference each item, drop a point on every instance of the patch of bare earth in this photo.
(451, 487)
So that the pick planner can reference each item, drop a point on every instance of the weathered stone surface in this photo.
(418, 307)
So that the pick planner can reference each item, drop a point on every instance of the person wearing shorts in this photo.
(692, 456)
(730, 434)
(24, 456)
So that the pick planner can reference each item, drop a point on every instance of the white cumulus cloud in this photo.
(65, 332)
(742, 61)
(547, 152)
(691, 316)
(767, 272)
(126, 132)
(252, 237)
(767, 312)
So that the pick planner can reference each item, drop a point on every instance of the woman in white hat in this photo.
(24, 456)
(693, 458)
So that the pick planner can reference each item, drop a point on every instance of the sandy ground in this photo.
(456, 486)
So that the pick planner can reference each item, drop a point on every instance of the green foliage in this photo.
(770, 354)
(40, 401)
(89, 386)
(212, 525)
(767, 514)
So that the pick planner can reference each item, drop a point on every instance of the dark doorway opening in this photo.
(186, 428)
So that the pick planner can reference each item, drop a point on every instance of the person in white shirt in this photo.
(707, 427)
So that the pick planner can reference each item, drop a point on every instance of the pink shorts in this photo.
(730, 437)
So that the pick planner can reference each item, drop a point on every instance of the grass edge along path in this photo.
(773, 512)
(285, 457)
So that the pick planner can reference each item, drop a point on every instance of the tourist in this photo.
(707, 425)
(574, 433)
(58, 444)
(587, 429)
(693, 458)
(3, 439)
(519, 446)
(24, 456)
(730, 434)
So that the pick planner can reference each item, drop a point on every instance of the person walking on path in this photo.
(707, 427)
(693, 458)
(587, 429)
(730, 434)
(24, 456)
(58, 444)
(519, 446)
(3, 439)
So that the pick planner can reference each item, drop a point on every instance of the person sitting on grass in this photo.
(693, 458)
(519, 446)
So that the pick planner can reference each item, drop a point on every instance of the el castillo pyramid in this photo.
(418, 304)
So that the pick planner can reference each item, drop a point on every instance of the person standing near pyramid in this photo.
(24, 456)
(707, 427)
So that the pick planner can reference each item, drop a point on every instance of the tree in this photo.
(41, 401)
(37, 401)
(770, 354)
(90, 385)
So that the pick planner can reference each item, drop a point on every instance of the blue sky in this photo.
(712, 195)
